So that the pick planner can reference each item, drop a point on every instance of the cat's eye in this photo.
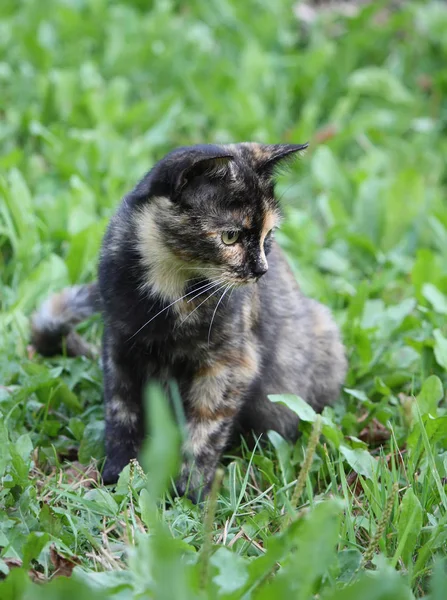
(230, 237)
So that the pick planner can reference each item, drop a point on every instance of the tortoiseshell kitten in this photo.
(194, 288)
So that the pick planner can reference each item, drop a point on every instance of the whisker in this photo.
(233, 287)
(215, 310)
(216, 268)
(203, 302)
(207, 285)
(213, 284)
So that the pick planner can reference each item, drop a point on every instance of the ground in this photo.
(91, 94)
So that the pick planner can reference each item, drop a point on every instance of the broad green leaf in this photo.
(103, 499)
(327, 172)
(329, 260)
(92, 445)
(64, 395)
(77, 428)
(430, 395)
(348, 564)
(438, 583)
(436, 298)
(82, 256)
(440, 348)
(377, 81)
(297, 404)
(35, 543)
(232, 571)
(162, 451)
(24, 446)
(313, 553)
(360, 461)
(426, 269)
(379, 585)
(283, 452)
(409, 525)
(307, 413)
(15, 585)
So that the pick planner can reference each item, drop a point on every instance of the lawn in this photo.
(92, 93)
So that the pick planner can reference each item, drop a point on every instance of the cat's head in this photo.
(208, 212)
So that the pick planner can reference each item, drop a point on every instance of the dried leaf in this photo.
(63, 566)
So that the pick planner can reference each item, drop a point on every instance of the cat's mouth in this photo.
(242, 281)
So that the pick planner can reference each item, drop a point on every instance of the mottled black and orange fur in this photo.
(227, 323)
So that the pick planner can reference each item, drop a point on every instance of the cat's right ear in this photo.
(200, 166)
(173, 173)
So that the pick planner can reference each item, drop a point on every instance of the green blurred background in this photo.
(92, 93)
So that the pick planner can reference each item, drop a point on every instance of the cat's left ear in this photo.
(272, 156)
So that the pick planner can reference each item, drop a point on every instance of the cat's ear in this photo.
(176, 170)
(201, 163)
(269, 157)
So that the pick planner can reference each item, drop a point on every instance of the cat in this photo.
(194, 288)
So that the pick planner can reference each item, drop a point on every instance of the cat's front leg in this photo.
(124, 411)
(213, 404)
(206, 440)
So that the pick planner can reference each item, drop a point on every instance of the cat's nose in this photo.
(260, 268)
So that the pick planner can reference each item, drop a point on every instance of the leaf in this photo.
(232, 570)
(34, 544)
(425, 269)
(430, 395)
(77, 428)
(436, 298)
(409, 525)
(24, 446)
(306, 413)
(369, 209)
(9, 563)
(63, 566)
(396, 314)
(297, 404)
(379, 585)
(360, 461)
(440, 348)
(111, 585)
(51, 274)
(14, 586)
(103, 499)
(329, 260)
(327, 171)
(283, 452)
(146, 507)
(161, 453)
(435, 428)
(63, 394)
(438, 583)
(358, 394)
(377, 81)
(92, 445)
(313, 552)
(83, 250)
(348, 564)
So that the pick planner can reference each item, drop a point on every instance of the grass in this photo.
(91, 94)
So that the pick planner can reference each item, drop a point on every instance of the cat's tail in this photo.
(52, 324)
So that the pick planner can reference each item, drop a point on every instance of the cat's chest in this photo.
(172, 358)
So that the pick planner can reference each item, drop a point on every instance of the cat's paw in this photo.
(193, 484)
(111, 471)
